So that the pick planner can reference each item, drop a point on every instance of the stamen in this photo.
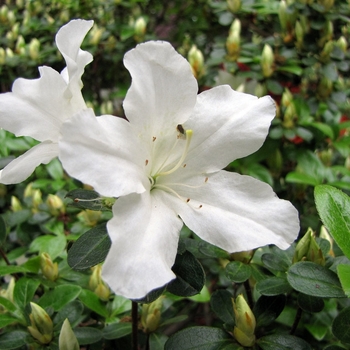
(154, 138)
(168, 189)
(146, 162)
(189, 134)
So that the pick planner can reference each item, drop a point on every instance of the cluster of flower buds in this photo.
(41, 327)
(288, 108)
(151, 314)
(48, 268)
(233, 41)
(97, 285)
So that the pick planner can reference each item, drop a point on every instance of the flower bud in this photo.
(267, 61)
(97, 285)
(107, 107)
(20, 45)
(325, 88)
(244, 322)
(9, 54)
(55, 205)
(282, 14)
(327, 34)
(299, 34)
(243, 257)
(347, 162)
(287, 98)
(2, 56)
(4, 10)
(95, 35)
(233, 41)
(34, 48)
(327, 4)
(67, 339)
(150, 315)
(64, 15)
(196, 60)
(140, 29)
(234, 5)
(8, 292)
(342, 44)
(15, 204)
(289, 116)
(48, 267)
(326, 156)
(41, 325)
(89, 217)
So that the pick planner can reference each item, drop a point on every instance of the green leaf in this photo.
(157, 341)
(53, 245)
(67, 339)
(90, 249)
(116, 330)
(24, 291)
(86, 199)
(212, 251)
(7, 304)
(13, 340)
(151, 296)
(72, 311)
(6, 319)
(201, 338)
(300, 178)
(92, 301)
(87, 335)
(60, 296)
(291, 69)
(268, 308)
(334, 209)
(310, 303)
(237, 272)
(283, 342)
(313, 279)
(274, 262)
(325, 128)
(273, 286)
(221, 304)
(341, 325)
(2, 231)
(190, 276)
(202, 297)
(344, 277)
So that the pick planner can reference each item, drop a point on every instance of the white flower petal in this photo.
(237, 213)
(36, 107)
(163, 90)
(104, 153)
(23, 166)
(68, 41)
(144, 233)
(227, 125)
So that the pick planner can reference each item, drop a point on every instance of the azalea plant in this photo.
(153, 208)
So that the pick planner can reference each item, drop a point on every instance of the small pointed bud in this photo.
(282, 14)
(11, 17)
(267, 61)
(55, 205)
(67, 339)
(260, 90)
(327, 34)
(287, 98)
(196, 60)
(289, 116)
(41, 324)
(302, 247)
(244, 322)
(326, 156)
(151, 314)
(299, 34)
(234, 5)
(65, 15)
(325, 88)
(36, 199)
(34, 49)
(28, 191)
(8, 292)
(107, 107)
(20, 45)
(314, 253)
(342, 43)
(140, 29)
(3, 13)
(233, 41)
(325, 235)
(48, 267)
(15, 204)
(2, 56)
(95, 35)
(89, 217)
(97, 285)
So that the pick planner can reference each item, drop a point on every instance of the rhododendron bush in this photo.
(174, 176)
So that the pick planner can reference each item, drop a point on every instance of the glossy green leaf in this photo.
(2, 231)
(24, 291)
(87, 335)
(313, 279)
(6, 319)
(14, 340)
(334, 209)
(310, 303)
(157, 341)
(201, 338)
(341, 325)
(52, 245)
(90, 249)
(300, 178)
(274, 262)
(283, 342)
(7, 304)
(344, 277)
(212, 251)
(273, 286)
(59, 296)
(268, 308)
(86, 199)
(190, 276)
(221, 304)
(117, 330)
(92, 301)
(151, 296)
(72, 311)
(237, 272)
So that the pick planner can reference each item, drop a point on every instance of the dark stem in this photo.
(249, 293)
(134, 316)
(147, 343)
(296, 321)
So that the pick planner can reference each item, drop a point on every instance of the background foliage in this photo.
(294, 50)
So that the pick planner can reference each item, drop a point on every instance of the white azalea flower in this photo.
(165, 163)
(38, 107)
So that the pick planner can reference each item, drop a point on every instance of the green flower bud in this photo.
(20, 45)
(234, 5)
(244, 322)
(289, 116)
(3, 13)
(67, 339)
(327, 4)
(140, 29)
(233, 41)
(150, 315)
(299, 34)
(97, 285)
(34, 48)
(2, 56)
(196, 60)
(325, 88)
(48, 267)
(283, 15)
(89, 217)
(95, 35)
(41, 325)
(342, 43)
(267, 61)
(287, 98)
(55, 205)
(107, 107)
(15, 204)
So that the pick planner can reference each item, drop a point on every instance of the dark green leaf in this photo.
(221, 304)
(7, 304)
(341, 325)
(274, 87)
(2, 231)
(24, 291)
(283, 342)
(201, 338)
(273, 286)
(334, 209)
(310, 303)
(151, 296)
(86, 199)
(6, 319)
(274, 262)
(237, 272)
(60, 296)
(73, 311)
(267, 309)
(92, 301)
(116, 330)
(190, 276)
(87, 335)
(52, 245)
(313, 279)
(13, 340)
(90, 249)
(212, 251)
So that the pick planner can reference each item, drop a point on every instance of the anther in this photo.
(188, 199)
(146, 162)
(154, 138)
(184, 166)
(200, 206)
(206, 179)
